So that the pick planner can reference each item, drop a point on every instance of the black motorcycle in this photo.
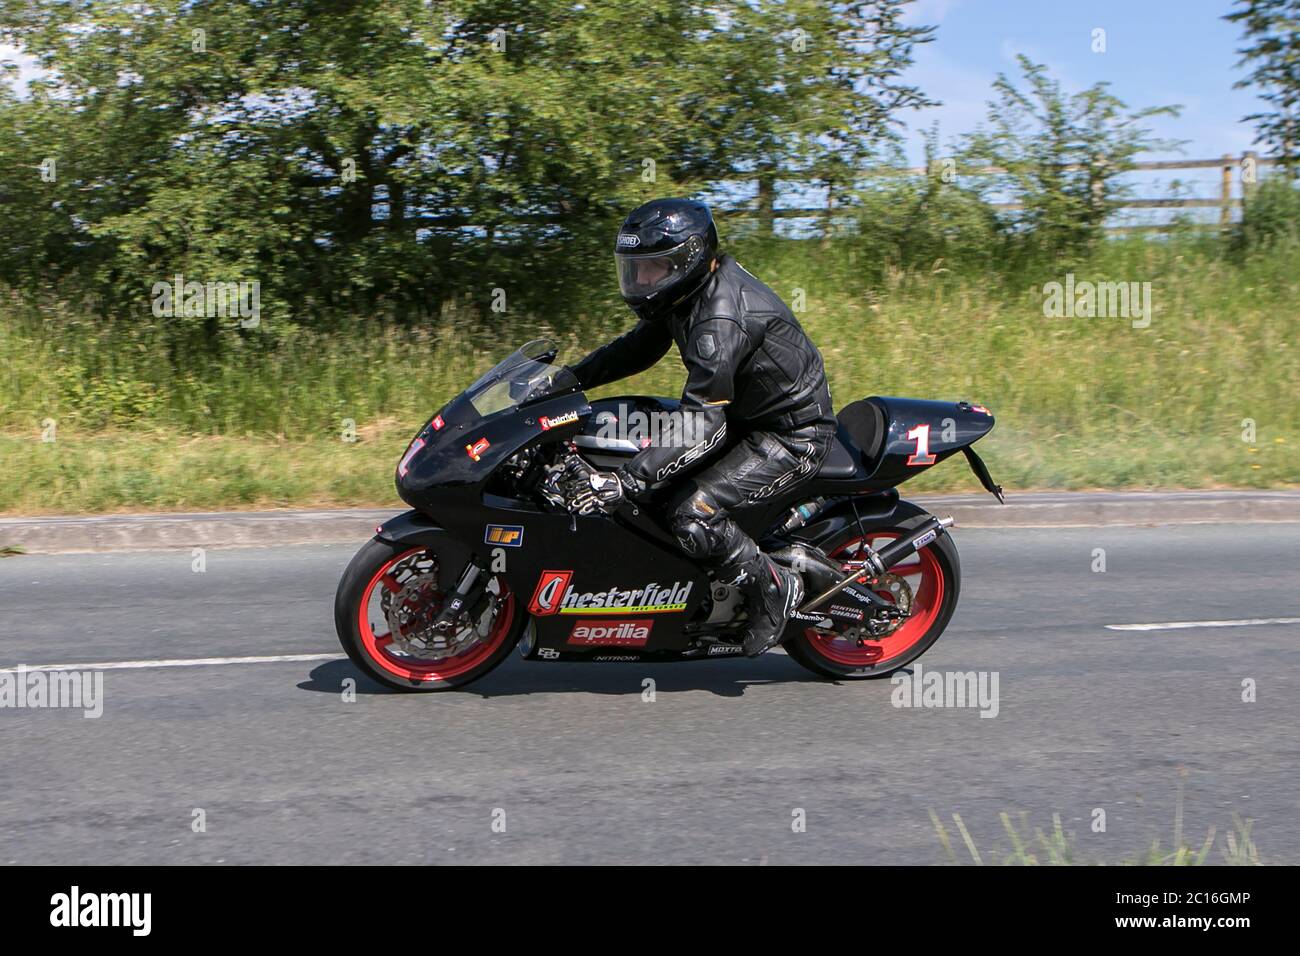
(490, 557)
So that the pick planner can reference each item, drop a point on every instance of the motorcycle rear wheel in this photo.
(934, 576)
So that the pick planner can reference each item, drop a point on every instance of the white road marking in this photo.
(1178, 625)
(175, 662)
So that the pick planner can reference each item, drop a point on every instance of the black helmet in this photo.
(663, 252)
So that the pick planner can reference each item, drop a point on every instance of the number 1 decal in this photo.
(922, 457)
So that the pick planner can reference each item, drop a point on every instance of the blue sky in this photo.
(1158, 52)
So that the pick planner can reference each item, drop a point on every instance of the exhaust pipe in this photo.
(888, 556)
(878, 562)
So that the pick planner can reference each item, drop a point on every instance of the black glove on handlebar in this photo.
(591, 491)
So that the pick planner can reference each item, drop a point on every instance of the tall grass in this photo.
(1079, 402)
(1030, 845)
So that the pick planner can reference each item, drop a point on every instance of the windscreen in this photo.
(525, 376)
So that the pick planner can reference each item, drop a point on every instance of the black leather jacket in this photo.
(748, 361)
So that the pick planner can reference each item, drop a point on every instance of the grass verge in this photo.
(153, 418)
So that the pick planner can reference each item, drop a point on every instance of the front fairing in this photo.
(457, 450)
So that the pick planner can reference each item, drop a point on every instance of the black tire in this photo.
(362, 574)
(802, 649)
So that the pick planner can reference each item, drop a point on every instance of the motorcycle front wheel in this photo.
(386, 602)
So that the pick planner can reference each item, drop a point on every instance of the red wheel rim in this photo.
(412, 668)
(925, 577)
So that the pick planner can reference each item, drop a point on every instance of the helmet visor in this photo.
(646, 275)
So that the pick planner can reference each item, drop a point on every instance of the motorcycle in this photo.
(490, 557)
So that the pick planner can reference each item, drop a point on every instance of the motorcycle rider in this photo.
(752, 375)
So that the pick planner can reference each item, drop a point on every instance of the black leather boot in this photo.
(771, 595)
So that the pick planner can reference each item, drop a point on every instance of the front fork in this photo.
(469, 588)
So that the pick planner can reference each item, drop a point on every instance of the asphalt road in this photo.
(713, 770)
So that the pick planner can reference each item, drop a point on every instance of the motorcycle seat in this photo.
(843, 460)
(859, 439)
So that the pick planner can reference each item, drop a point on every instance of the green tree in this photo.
(1061, 156)
(931, 222)
(1272, 36)
(815, 89)
(360, 158)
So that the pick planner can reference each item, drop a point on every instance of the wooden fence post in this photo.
(1225, 191)
(828, 226)
(1249, 175)
(766, 203)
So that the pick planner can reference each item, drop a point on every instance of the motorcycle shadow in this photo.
(515, 677)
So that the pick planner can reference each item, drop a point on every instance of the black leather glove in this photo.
(590, 491)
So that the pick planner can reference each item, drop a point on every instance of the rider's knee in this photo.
(697, 525)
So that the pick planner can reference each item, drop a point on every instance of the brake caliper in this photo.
(887, 620)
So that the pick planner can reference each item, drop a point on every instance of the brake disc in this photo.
(901, 592)
(412, 610)
(422, 564)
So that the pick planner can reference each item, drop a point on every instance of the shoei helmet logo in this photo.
(568, 418)
(550, 591)
(628, 242)
(437, 423)
(476, 450)
(504, 535)
(618, 633)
